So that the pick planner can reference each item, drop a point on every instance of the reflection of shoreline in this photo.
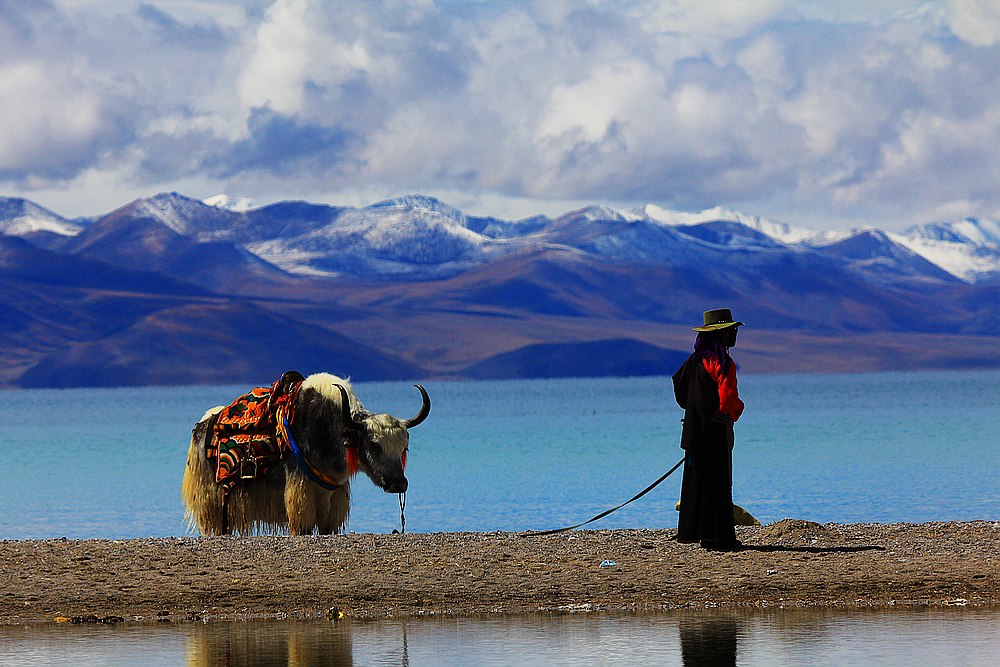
(708, 639)
(790, 636)
(269, 644)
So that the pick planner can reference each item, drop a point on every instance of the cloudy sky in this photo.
(824, 114)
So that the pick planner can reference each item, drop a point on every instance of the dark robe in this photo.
(706, 512)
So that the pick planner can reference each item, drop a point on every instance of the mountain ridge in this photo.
(421, 237)
(424, 290)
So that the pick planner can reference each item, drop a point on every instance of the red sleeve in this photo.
(729, 396)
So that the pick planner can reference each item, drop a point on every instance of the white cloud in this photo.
(975, 21)
(764, 62)
(804, 111)
(52, 122)
(611, 93)
(931, 155)
(292, 49)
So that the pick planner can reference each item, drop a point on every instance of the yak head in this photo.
(358, 440)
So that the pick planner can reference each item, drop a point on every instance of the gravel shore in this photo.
(786, 564)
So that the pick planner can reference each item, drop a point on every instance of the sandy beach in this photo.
(790, 563)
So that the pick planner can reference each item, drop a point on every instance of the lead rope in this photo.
(613, 509)
(402, 513)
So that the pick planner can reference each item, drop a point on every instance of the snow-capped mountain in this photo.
(20, 217)
(418, 237)
(186, 216)
(779, 231)
(413, 236)
(968, 249)
(885, 258)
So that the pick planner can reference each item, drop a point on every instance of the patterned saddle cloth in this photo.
(248, 437)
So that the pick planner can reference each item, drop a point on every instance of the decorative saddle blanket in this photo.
(248, 437)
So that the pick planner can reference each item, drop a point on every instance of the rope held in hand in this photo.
(613, 509)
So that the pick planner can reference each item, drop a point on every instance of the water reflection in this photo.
(269, 644)
(686, 638)
(708, 641)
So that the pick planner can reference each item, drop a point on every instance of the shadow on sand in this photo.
(767, 548)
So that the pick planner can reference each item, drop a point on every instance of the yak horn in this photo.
(345, 410)
(425, 409)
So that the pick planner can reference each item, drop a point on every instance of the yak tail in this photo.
(201, 496)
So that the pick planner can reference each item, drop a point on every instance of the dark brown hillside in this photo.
(622, 357)
(551, 281)
(212, 343)
(148, 244)
(781, 290)
(51, 302)
(22, 262)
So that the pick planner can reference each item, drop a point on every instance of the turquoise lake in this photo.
(526, 455)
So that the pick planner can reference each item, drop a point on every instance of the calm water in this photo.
(520, 455)
(956, 637)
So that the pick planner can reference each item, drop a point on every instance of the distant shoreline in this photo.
(787, 564)
(750, 360)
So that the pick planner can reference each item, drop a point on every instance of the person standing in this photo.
(705, 387)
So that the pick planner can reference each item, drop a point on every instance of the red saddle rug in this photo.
(247, 440)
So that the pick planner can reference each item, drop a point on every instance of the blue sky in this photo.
(821, 114)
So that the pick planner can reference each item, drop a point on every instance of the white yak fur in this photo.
(283, 499)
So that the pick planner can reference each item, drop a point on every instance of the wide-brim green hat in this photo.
(718, 319)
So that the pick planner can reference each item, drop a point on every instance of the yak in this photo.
(305, 486)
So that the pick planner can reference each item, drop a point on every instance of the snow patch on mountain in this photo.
(171, 211)
(608, 214)
(225, 202)
(779, 231)
(968, 249)
(411, 236)
(298, 262)
(641, 241)
(966, 230)
(422, 203)
(181, 214)
(966, 261)
(20, 217)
